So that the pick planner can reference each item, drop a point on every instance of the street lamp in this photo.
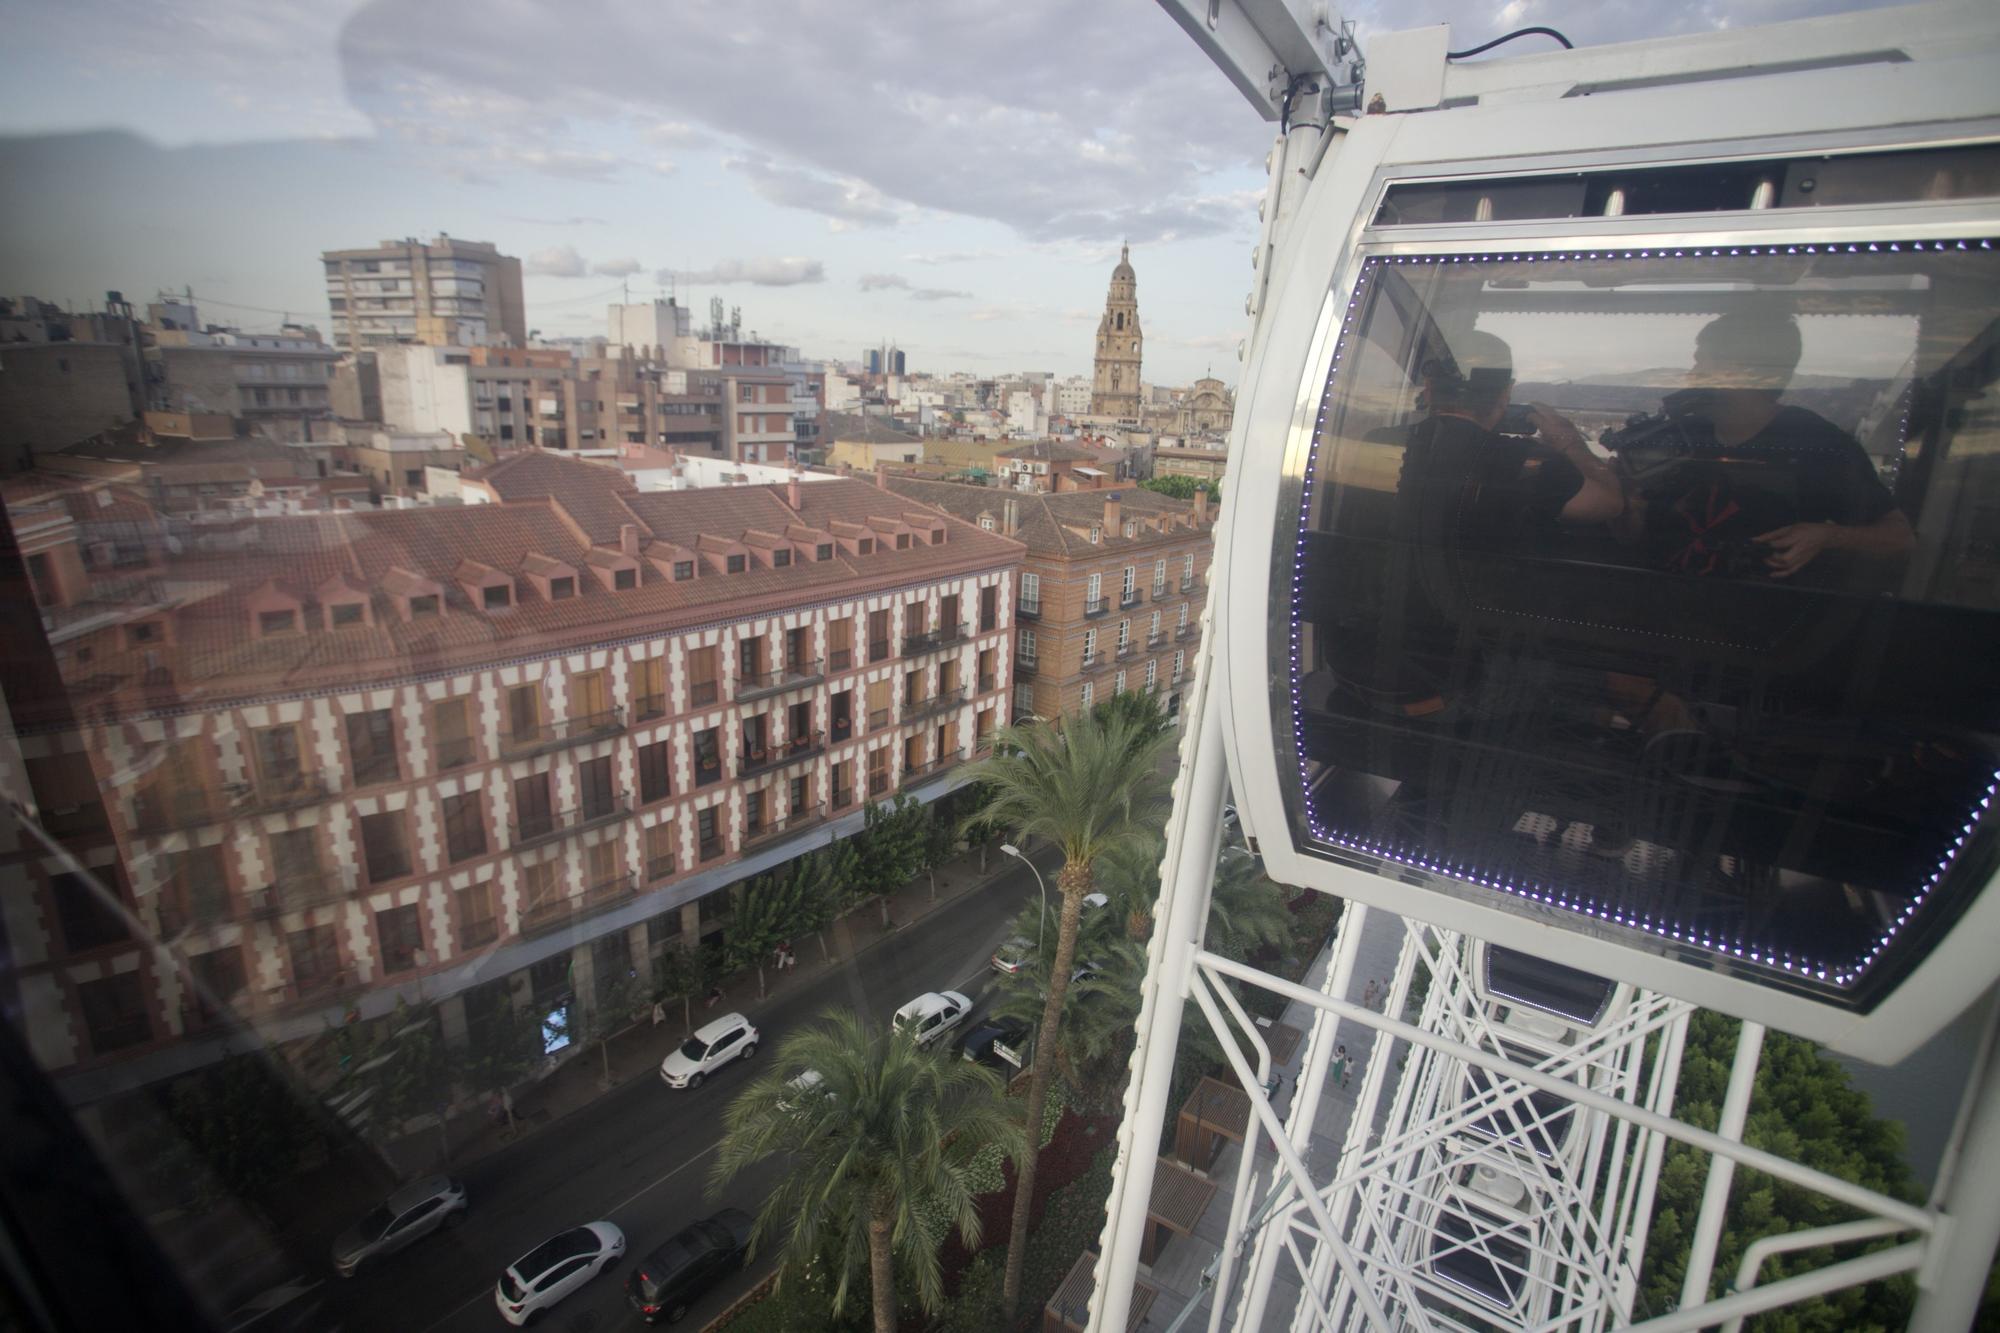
(1042, 921)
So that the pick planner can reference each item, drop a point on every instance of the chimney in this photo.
(846, 469)
(1112, 509)
(792, 491)
(1200, 504)
(628, 538)
(882, 475)
(1008, 518)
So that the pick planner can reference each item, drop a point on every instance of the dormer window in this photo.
(146, 631)
(986, 522)
(1131, 528)
(277, 622)
(867, 545)
(342, 615)
(780, 558)
(937, 536)
(902, 541)
(736, 564)
(683, 570)
(496, 597)
(562, 589)
(1096, 533)
(824, 551)
(423, 606)
(622, 579)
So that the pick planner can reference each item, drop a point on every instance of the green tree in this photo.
(1137, 707)
(621, 999)
(1088, 788)
(1093, 1039)
(879, 1152)
(821, 882)
(938, 839)
(766, 916)
(1246, 911)
(890, 847)
(237, 1129)
(680, 974)
(1182, 488)
(502, 1045)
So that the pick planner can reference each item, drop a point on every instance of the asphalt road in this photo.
(640, 1155)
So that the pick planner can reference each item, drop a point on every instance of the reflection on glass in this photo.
(1660, 588)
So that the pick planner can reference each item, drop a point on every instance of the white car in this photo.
(555, 1268)
(799, 1091)
(711, 1047)
(932, 1014)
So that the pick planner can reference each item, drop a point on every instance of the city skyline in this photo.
(958, 184)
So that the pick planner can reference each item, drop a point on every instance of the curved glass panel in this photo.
(1659, 588)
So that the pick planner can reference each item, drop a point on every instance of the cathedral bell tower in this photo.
(1114, 391)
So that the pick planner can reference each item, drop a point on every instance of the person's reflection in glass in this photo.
(1743, 362)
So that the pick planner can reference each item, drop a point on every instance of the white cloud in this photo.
(772, 272)
(616, 268)
(846, 202)
(558, 261)
(669, 132)
(872, 282)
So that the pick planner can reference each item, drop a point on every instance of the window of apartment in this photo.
(401, 932)
(878, 704)
(1024, 700)
(279, 760)
(1124, 635)
(913, 688)
(451, 731)
(989, 608)
(371, 747)
(1087, 694)
(702, 673)
(533, 814)
(595, 787)
(982, 728)
(839, 644)
(1031, 593)
(477, 923)
(1187, 566)
(88, 922)
(866, 546)
(464, 826)
(707, 757)
(201, 884)
(1153, 634)
(1160, 574)
(345, 614)
(1025, 642)
(622, 579)
(878, 770)
(655, 764)
(780, 557)
(1131, 528)
(295, 864)
(1089, 646)
(798, 649)
(589, 699)
(524, 713)
(708, 833)
(497, 596)
(277, 622)
(146, 631)
(315, 955)
(384, 846)
(219, 978)
(114, 1012)
(754, 812)
(916, 618)
(1118, 682)
(683, 570)
(736, 564)
(1130, 582)
(660, 850)
(902, 541)
(842, 777)
(649, 688)
(1152, 674)
(1094, 593)
(600, 863)
(1184, 616)
(948, 675)
(878, 635)
(541, 888)
(562, 588)
(749, 659)
(824, 551)
(1180, 662)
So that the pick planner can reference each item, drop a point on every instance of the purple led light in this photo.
(1763, 955)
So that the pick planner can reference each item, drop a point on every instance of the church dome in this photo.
(1124, 270)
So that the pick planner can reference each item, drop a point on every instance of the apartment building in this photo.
(444, 292)
(1112, 587)
(274, 381)
(459, 752)
(1057, 465)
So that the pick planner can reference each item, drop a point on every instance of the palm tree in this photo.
(879, 1147)
(1089, 788)
(1092, 1043)
(1245, 909)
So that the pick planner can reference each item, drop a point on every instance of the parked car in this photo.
(555, 1268)
(932, 1014)
(1014, 955)
(675, 1275)
(998, 1043)
(711, 1047)
(409, 1214)
(800, 1089)
(1093, 901)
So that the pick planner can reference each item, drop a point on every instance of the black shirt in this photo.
(1466, 487)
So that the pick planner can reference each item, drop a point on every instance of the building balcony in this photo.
(840, 659)
(1187, 631)
(179, 912)
(606, 892)
(763, 759)
(297, 891)
(1128, 598)
(1094, 607)
(1155, 640)
(757, 684)
(660, 868)
(1124, 650)
(842, 729)
(943, 701)
(841, 799)
(456, 753)
(558, 735)
(944, 636)
(648, 707)
(1026, 664)
(320, 989)
(1189, 582)
(1030, 608)
(1159, 592)
(543, 917)
(776, 830)
(711, 849)
(565, 823)
(1094, 662)
(878, 783)
(285, 791)
(924, 772)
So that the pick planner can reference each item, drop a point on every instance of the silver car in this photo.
(415, 1210)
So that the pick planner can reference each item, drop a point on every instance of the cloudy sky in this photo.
(954, 176)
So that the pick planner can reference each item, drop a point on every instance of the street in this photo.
(640, 1155)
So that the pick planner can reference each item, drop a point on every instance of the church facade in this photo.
(1114, 390)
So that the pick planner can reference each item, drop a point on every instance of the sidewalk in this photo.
(638, 1051)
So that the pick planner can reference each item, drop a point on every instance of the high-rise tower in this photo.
(1115, 388)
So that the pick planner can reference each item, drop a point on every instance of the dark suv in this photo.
(675, 1275)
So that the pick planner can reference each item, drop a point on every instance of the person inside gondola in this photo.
(1744, 484)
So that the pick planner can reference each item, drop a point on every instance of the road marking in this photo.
(486, 1294)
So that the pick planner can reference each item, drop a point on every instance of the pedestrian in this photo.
(1369, 995)
(1340, 1065)
(714, 995)
(786, 958)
